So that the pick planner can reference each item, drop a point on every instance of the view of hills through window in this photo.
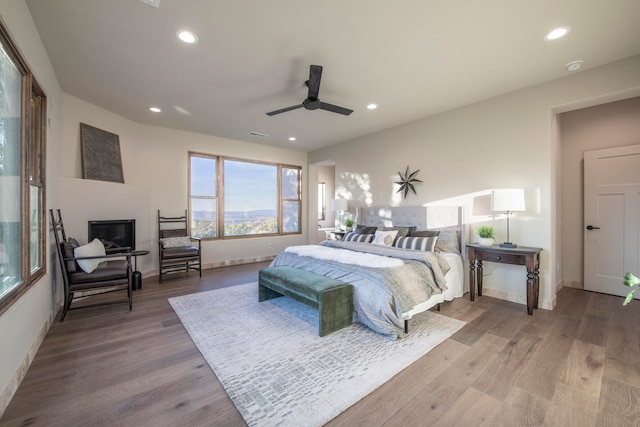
(249, 199)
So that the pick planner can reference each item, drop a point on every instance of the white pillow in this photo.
(176, 242)
(95, 248)
(384, 238)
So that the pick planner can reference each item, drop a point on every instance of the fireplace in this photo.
(114, 234)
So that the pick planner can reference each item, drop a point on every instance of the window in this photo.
(322, 206)
(22, 176)
(231, 197)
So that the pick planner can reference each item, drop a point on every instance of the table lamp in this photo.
(507, 200)
(340, 206)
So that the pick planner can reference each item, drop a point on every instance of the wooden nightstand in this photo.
(521, 255)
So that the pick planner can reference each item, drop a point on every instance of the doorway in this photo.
(612, 217)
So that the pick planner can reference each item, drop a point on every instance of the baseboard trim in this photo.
(218, 264)
(573, 284)
(227, 263)
(11, 388)
(518, 299)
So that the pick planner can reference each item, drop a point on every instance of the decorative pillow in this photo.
(69, 246)
(176, 242)
(95, 248)
(448, 241)
(416, 243)
(402, 231)
(425, 233)
(363, 229)
(385, 238)
(353, 237)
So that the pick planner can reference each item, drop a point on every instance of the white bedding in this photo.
(455, 285)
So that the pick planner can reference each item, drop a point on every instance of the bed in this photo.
(405, 271)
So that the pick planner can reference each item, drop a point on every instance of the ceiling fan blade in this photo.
(284, 110)
(335, 109)
(315, 74)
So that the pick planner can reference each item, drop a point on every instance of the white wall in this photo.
(23, 325)
(507, 141)
(155, 167)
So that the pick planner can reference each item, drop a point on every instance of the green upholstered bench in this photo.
(332, 298)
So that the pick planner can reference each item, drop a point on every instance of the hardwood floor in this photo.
(578, 365)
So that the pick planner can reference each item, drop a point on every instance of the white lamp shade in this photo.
(339, 205)
(508, 199)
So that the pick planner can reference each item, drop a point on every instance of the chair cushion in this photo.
(180, 252)
(115, 271)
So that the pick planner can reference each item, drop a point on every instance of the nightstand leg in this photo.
(531, 298)
(479, 275)
(472, 279)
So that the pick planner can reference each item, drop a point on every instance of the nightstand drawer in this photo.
(501, 257)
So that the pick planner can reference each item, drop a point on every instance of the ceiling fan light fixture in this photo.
(372, 106)
(187, 36)
(557, 33)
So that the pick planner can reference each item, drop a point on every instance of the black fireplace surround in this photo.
(117, 235)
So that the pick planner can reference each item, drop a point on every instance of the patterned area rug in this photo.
(276, 368)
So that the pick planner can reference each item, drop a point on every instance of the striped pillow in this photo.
(416, 243)
(355, 237)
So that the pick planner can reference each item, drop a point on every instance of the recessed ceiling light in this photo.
(292, 138)
(557, 33)
(574, 65)
(372, 106)
(155, 109)
(187, 36)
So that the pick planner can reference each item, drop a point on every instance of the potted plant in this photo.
(348, 224)
(633, 282)
(487, 235)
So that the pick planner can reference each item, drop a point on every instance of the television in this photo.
(117, 235)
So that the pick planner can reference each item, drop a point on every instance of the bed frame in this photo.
(421, 217)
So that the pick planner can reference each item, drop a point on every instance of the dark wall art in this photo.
(407, 182)
(101, 158)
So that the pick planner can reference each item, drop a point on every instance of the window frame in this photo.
(220, 198)
(322, 202)
(33, 158)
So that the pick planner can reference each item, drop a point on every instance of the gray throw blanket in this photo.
(381, 295)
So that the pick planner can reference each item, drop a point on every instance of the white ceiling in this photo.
(414, 58)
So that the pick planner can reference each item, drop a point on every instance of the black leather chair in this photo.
(177, 250)
(111, 275)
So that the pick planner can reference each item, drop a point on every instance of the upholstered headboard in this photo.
(421, 217)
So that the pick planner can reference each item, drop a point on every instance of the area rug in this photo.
(275, 367)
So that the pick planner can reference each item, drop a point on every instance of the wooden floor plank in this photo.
(572, 407)
(473, 408)
(578, 364)
(619, 404)
(584, 367)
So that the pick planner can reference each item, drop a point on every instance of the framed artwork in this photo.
(101, 158)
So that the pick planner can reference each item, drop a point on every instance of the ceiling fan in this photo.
(312, 102)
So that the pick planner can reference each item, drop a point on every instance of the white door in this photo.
(611, 217)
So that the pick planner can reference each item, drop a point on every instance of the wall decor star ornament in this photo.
(407, 179)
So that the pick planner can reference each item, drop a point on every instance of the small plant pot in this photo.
(486, 241)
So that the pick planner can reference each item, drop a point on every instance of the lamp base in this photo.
(508, 245)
